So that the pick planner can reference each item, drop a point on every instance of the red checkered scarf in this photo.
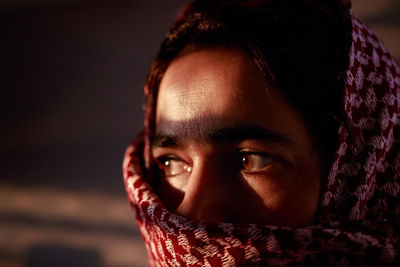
(358, 219)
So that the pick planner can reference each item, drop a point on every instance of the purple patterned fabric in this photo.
(358, 220)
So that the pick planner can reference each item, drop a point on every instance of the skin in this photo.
(229, 147)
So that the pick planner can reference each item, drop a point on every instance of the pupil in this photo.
(166, 163)
(245, 160)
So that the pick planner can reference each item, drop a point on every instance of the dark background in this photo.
(71, 79)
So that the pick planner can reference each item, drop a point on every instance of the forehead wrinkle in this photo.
(182, 90)
(191, 98)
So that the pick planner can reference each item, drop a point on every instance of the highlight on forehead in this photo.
(198, 129)
(230, 61)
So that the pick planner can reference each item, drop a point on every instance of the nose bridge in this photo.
(206, 197)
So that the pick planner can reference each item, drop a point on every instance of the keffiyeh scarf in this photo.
(358, 219)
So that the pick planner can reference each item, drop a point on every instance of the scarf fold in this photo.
(358, 220)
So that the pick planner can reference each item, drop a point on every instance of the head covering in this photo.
(358, 218)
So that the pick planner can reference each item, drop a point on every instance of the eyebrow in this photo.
(233, 134)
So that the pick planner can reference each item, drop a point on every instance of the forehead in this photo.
(213, 82)
(223, 66)
(220, 88)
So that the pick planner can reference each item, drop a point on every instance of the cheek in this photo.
(291, 197)
(273, 190)
(170, 196)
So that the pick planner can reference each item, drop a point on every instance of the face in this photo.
(229, 147)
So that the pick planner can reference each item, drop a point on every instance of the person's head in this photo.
(243, 99)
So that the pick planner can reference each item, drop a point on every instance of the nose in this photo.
(206, 196)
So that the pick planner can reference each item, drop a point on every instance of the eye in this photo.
(171, 166)
(254, 161)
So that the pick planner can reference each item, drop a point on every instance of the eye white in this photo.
(256, 162)
(172, 167)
